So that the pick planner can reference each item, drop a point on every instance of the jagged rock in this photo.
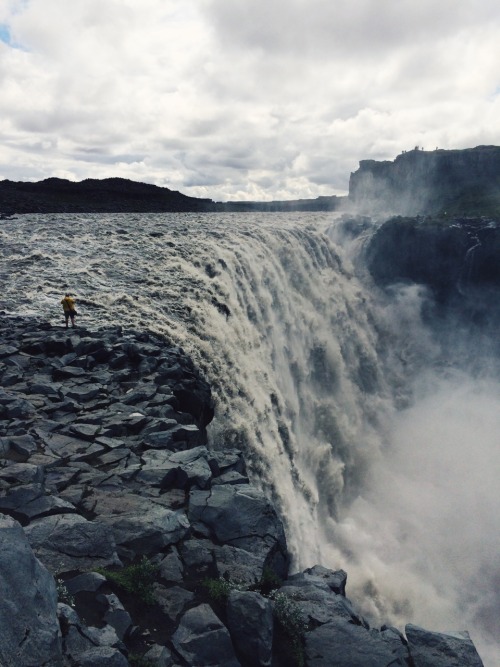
(350, 645)
(159, 656)
(26, 503)
(318, 603)
(172, 600)
(250, 623)
(243, 517)
(197, 556)
(88, 582)
(336, 580)
(202, 639)
(116, 615)
(102, 656)
(69, 542)
(139, 525)
(178, 470)
(22, 473)
(170, 567)
(436, 649)
(231, 477)
(396, 641)
(29, 630)
(23, 445)
(180, 436)
(78, 638)
(82, 394)
(238, 565)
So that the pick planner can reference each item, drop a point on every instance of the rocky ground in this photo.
(126, 540)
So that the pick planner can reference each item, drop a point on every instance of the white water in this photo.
(378, 444)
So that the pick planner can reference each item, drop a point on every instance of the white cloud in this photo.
(241, 99)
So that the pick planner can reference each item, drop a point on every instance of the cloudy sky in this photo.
(241, 99)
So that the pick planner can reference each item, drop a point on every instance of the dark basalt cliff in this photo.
(451, 258)
(127, 540)
(119, 195)
(418, 182)
(109, 195)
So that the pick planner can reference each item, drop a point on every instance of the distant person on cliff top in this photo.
(68, 304)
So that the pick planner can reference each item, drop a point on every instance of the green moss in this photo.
(137, 579)
(288, 615)
(218, 589)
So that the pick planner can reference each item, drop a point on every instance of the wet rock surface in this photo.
(158, 548)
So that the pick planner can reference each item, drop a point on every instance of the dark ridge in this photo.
(119, 195)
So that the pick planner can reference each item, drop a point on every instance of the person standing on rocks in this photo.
(68, 304)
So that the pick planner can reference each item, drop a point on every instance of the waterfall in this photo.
(369, 431)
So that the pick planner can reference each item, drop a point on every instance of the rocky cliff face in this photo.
(163, 552)
(419, 182)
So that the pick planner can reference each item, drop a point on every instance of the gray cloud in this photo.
(241, 99)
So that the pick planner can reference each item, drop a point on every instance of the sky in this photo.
(241, 99)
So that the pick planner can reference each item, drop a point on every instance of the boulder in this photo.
(243, 517)
(69, 542)
(344, 644)
(202, 639)
(139, 525)
(250, 623)
(102, 656)
(435, 649)
(29, 629)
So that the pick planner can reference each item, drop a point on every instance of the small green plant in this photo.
(218, 589)
(63, 595)
(288, 615)
(269, 581)
(137, 579)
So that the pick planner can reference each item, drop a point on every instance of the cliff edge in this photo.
(448, 182)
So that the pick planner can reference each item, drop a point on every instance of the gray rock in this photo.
(435, 649)
(319, 604)
(231, 477)
(235, 514)
(197, 556)
(23, 445)
(22, 473)
(170, 567)
(343, 644)
(336, 580)
(250, 623)
(172, 600)
(243, 517)
(140, 525)
(29, 629)
(70, 542)
(88, 581)
(102, 656)
(116, 615)
(239, 565)
(41, 505)
(159, 656)
(177, 470)
(82, 393)
(202, 639)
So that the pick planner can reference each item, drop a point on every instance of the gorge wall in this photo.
(418, 182)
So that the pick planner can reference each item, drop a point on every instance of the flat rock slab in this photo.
(436, 649)
(70, 542)
(139, 524)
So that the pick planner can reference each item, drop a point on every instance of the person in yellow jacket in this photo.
(68, 304)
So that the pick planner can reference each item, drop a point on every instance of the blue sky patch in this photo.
(4, 33)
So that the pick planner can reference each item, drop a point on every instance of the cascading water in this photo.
(329, 388)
